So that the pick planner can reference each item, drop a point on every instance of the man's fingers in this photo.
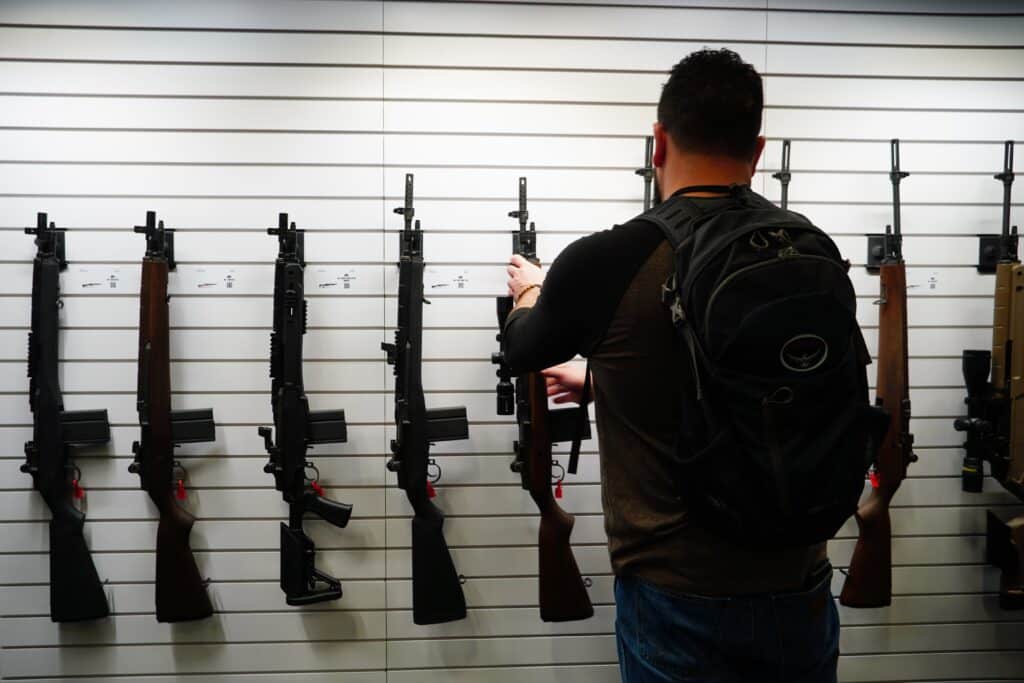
(517, 260)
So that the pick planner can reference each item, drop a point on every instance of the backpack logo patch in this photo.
(804, 353)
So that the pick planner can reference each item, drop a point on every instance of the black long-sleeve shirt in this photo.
(602, 299)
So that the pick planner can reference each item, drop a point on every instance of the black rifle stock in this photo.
(562, 591)
(436, 586)
(869, 581)
(297, 429)
(180, 590)
(652, 193)
(994, 425)
(76, 592)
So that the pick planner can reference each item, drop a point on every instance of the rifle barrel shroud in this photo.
(436, 587)
(76, 593)
(297, 428)
(563, 594)
(994, 425)
(869, 582)
(180, 590)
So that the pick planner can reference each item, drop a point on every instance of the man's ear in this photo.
(660, 145)
(758, 149)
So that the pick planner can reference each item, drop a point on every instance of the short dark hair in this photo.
(712, 104)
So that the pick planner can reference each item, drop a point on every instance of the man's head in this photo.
(711, 107)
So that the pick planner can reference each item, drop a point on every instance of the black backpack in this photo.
(777, 428)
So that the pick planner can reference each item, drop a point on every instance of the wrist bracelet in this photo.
(523, 293)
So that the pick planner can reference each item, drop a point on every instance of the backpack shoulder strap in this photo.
(676, 213)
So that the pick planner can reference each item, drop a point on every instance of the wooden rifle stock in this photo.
(180, 590)
(869, 581)
(563, 594)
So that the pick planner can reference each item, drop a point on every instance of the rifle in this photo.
(76, 593)
(994, 425)
(563, 594)
(297, 429)
(783, 176)
(436, 587)
(869, 581)
(180, 591)
(647, 173)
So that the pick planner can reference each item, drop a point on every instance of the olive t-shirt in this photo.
(602, 299)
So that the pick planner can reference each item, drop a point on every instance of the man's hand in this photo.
(565, 382)
(523, 276)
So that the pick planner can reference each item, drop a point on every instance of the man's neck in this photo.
(688, 170)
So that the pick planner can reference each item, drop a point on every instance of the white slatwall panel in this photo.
(221, 114)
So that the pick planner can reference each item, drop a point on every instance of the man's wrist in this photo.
(528, 297)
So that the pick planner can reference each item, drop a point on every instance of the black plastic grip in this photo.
(328, 510)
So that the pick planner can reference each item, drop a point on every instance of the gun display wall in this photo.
(221, 114)
(76, 587)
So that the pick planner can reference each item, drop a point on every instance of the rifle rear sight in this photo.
(290, 240)
(49, 239)
(159, 240)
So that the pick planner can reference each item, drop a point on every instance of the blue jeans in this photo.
(669, 638)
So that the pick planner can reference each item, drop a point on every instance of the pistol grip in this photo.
(328, 510)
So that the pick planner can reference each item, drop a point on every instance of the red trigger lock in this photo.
(77, 491)
(873, 477)
(431, 491)
(317, 488)
(179, 490)
(558, 490)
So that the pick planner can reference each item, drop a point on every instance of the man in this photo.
(691, 605)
